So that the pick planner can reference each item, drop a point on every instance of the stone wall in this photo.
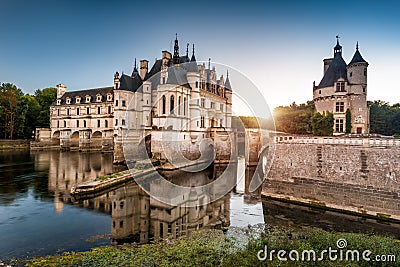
(362, 178)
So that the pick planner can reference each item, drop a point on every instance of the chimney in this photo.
(327, 62)
(116, 80)
(144, 66)
(61, 89)
(166, 58)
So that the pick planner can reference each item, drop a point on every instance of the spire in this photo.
(176, 50)
(227, 82)
(357, 58)
(193, 57)
(337, 50)
(135, 71)
(209, 63)
(187, 50)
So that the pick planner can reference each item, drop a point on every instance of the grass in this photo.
(214, 248)
(138, 167)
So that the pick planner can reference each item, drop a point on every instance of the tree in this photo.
(45, 98)
(322, 124)
(294, 118)
(9, 98)
(348, 121)
(384, 119)
(28, 110)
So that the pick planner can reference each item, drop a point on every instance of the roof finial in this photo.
(357, 46)
(135, 63)
(337, 39)
(187, 50)
(227, 73)
(176, 50)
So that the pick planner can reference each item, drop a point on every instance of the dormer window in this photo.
(98, 98)
(87, 99)
(78, 100)
(340, 87)
(58, 101)
(68, 101)
(109, 97)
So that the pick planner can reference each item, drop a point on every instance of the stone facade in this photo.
(177, 99)
(360, 175)
(344, 86)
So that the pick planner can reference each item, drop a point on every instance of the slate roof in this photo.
(130, 83)
(191, 66)
(177, 75)
(357, 58)
(228, 84)
(88, 92)
(336, 70)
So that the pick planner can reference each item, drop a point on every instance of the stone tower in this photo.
(344, 86)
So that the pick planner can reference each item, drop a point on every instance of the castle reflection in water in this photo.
(136, 217)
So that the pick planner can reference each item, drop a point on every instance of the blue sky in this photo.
(278, 45)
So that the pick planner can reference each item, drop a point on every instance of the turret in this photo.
(116, 80)
(357, 70)
(61, 89)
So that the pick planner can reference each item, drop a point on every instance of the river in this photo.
(39, 217)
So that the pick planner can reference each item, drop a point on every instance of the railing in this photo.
(372, 142)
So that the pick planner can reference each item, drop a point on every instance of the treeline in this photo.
(21, 113)
(303, 119)
(384, 119)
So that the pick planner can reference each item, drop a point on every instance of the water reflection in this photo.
(136, 217)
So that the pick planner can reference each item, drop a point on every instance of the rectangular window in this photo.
(340, 87)
(65, 124)
(116, 103)
(77, 123)
(123, 103)
(212, 105)
(202, 102)
(98, 110)
(339, 106)
(106, 123)
(77, 111)
(58, 124)
(339, 125)
(84, 124)
(123, 122)
(116, 122)
(67, 111)
(109, 110)
(98, 123)
(87, 111)
(58, 112)
(202, 122)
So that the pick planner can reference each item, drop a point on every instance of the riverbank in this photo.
(6, 144)
(240, 247)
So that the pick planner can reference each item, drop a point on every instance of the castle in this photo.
(176, 95)
(344, 86)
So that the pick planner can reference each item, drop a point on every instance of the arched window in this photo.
(171, 104)
(163, 104)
